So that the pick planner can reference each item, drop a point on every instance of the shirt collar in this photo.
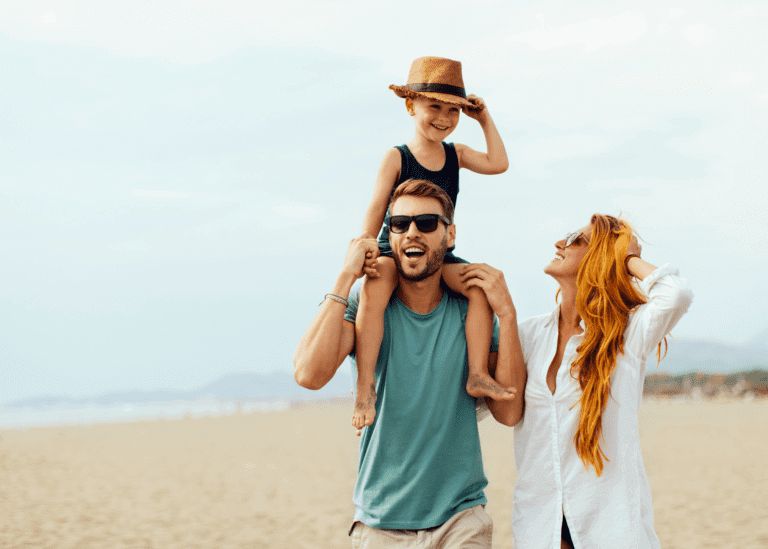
(554, 316)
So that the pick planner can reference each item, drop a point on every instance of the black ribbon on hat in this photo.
(438, 88)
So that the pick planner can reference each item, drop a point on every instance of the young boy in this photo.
(434, 97)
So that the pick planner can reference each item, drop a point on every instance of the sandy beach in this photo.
(284, 479)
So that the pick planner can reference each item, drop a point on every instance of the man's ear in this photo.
(451, 234)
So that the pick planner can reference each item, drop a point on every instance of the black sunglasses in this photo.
(425, 223)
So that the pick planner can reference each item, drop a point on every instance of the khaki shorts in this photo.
(469, 529)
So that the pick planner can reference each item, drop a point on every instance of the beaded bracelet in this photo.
(337, 298)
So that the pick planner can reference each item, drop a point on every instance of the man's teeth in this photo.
(413, 251)
(558, 258)
(440, 127)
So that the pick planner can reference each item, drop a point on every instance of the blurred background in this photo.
(179, 180)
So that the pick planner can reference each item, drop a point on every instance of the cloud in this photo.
(160, 194)
(593, 33)
(676, 12)
(737, 78)
(562, 147)
(665, 27)
(744, 11)
(698, 34)
(301, 211)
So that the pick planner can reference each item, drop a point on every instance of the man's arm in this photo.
(507, 366)
(329, 339)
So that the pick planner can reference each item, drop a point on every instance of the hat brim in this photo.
(402, 91)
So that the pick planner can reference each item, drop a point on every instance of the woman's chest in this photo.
(549, 364)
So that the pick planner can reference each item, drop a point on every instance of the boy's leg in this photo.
(369, 331)
(478, 330)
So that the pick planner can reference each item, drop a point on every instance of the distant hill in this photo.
(753, 383)
(683, 357)
(233, 387)
(760, 341)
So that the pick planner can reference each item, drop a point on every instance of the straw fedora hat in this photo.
(436, 78)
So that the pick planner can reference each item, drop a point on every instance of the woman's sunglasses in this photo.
(425, 223)
(570, 238)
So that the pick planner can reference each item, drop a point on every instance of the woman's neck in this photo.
(569, 315)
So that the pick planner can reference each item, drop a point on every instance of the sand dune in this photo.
(284, 479)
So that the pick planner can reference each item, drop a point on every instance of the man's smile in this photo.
(413, 252)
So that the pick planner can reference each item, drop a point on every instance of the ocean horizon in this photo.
(88, 414)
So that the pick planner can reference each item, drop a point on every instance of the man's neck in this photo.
(421, 296)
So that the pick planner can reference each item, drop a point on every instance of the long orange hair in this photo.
(605, 296)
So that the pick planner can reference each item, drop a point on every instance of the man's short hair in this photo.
(420, 187)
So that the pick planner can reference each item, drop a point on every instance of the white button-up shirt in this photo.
(613, 510)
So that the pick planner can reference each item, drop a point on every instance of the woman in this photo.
(581, 481)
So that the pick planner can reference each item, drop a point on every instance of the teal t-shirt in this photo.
(420, 461)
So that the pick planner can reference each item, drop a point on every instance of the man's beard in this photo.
(434, 262)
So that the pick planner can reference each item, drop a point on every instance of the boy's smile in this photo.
(434, 120)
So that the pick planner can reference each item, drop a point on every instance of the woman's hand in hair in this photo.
(637, 267)
(634, 247)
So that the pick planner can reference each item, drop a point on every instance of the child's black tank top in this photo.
(447, 178)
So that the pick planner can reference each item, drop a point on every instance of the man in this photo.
(420, 478)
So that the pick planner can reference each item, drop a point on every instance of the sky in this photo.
(179, 180)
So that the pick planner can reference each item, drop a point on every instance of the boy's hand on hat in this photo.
(477, 109)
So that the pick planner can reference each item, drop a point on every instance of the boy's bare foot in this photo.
(485, 386)
(365, 407)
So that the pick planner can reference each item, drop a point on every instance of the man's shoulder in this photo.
(456, 301)
(452, 300)
(454, 297)
(353, 302)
